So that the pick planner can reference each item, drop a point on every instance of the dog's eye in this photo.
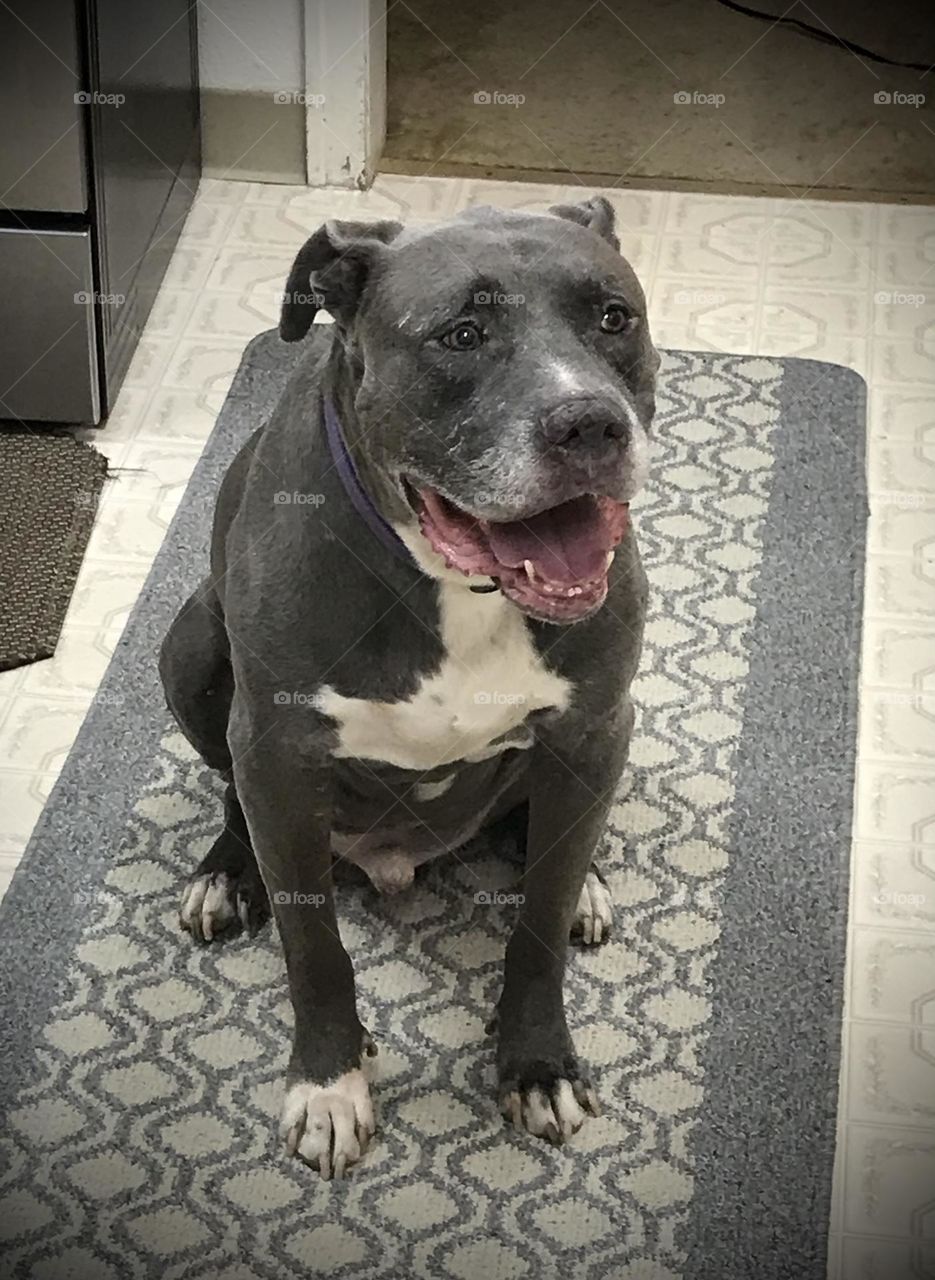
(463, 337)
(616, 318)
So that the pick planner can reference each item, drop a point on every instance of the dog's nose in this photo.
(583, 424)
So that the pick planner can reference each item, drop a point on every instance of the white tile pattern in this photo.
(853, 284)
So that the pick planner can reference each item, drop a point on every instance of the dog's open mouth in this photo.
(553, 565)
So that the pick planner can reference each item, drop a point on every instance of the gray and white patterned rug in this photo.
(141, 1075)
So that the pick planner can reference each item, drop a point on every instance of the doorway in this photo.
(684, 94)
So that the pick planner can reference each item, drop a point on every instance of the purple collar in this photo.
(344, 465)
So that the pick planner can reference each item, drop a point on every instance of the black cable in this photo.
(826, 37)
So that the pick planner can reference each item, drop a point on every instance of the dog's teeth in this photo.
(609, 561)
(530, 570)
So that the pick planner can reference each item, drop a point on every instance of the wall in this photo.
(252, 56)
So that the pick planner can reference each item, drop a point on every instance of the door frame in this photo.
(345, 95)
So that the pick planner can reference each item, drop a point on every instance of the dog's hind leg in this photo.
(594, 914)
(194, 664)
(196, 674)
(227, 887)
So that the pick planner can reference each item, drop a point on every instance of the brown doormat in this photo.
(49, 491)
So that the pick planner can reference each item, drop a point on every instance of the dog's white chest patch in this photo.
(473, 707)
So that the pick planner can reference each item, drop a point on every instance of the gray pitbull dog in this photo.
(443, 634)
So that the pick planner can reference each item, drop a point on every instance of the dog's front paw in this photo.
(548, 1100)
(329, 1125)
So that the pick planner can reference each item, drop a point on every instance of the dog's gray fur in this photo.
(303, 599)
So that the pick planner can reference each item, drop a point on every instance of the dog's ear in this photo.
(597, 214)
(329, 273)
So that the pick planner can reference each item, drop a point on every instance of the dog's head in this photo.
(503, 378)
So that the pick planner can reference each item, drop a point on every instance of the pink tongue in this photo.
(567, 544)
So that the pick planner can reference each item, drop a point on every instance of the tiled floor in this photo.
(853, 284)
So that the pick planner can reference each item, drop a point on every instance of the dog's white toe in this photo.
(594, 914)
(329, 1125)
(208, 905)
